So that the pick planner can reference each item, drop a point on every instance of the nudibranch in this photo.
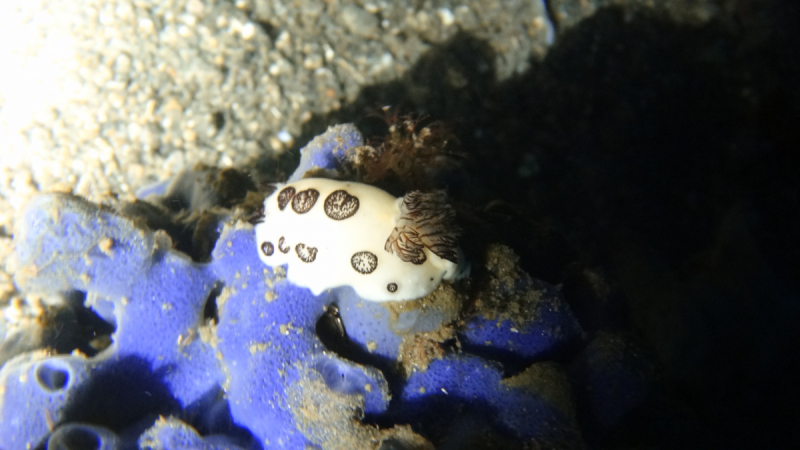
(336, 233)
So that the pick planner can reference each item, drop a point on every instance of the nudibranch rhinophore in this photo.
(336, 233)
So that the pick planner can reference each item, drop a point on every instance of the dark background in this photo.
(660, 157)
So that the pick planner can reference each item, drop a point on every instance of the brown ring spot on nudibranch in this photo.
(267, 248)
(364, 262)
(303, 201)
(285, 196)
(340, 205)
(391, 287)
(305, 253)
(281, 247)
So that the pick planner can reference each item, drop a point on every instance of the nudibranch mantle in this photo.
(336, 233)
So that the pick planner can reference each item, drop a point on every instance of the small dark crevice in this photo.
(268, 28)
(219, 120)
(330, 330)
(77, 327)
(210, 311)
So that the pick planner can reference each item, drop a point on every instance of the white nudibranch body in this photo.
(334, 233)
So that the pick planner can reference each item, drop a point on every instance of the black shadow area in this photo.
(664, 155)
(121, 394)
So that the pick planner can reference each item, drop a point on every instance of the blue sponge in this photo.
(230, 347)
(36, 392)
(80, 436)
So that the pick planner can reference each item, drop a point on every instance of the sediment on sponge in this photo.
(426, 221)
